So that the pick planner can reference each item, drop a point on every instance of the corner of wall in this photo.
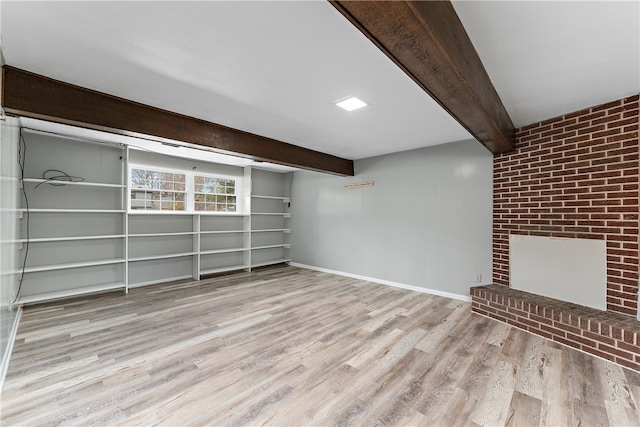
(6, 353)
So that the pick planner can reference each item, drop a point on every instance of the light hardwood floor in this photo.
(291, 347)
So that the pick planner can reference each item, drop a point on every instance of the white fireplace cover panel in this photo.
(573, 270)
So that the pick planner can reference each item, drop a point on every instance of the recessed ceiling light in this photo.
(351, 104)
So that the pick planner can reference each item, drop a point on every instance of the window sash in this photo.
(162, 190)
(215, 194)
(157, 190)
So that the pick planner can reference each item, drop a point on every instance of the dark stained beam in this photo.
(428, 42)
(31, 95)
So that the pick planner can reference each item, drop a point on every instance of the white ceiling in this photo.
(548, 58)
(275, 68)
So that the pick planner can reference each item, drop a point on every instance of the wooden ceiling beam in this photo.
(428, 42)
(32, 95)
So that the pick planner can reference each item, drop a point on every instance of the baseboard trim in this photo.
(386, 282)
(6, 357)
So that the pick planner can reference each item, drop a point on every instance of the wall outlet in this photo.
(479, 278)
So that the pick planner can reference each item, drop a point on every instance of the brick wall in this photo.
(575, 176)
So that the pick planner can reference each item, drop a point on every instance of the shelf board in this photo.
(273, 230)
(58, 183)
(283, 245)
(73, 265)
(283, 214)
(66, 239)
(222, 269)
(222, 251)
(214, 214)
(177, 233)
(166, 256)
(140, 212)
(271, 262)
(30, 299)
(136, 212)
(73, 210)
(223, 231)
(284, 199)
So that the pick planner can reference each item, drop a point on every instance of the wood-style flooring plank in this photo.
(285, 346)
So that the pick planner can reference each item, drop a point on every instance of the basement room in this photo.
(319, 213)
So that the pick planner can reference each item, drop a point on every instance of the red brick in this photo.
(552, 330)
(606, 119)
(598, 337)
(624, 122)
(615, 351)
(581, 340)
(588, 117)
(600, 354)
(629, 364)
(607, 105)
(630, 337)
(567, 328)
(629, 347)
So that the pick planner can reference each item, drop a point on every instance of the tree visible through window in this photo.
(214, 194)
(157, 190)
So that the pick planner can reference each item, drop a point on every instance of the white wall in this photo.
(426, 222)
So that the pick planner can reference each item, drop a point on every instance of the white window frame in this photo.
(159, 170)
(218, 177)
(190, 191)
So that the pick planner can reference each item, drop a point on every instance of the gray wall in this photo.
(426, 222)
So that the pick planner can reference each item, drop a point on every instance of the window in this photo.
(214, 194)
(154, 190)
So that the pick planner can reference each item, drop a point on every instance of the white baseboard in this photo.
(386, 282)
(7, 353)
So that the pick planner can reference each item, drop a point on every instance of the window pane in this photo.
(166, 191)
(211, 194)
(169, 189)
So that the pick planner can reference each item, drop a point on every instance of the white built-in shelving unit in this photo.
(81, 238)
(224, 242)
(74, 227)
(154, 237)
(269, 221)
